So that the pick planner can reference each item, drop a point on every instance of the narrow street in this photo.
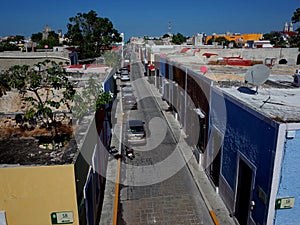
(153, 190)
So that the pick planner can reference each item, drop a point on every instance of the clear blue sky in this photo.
(139, 18)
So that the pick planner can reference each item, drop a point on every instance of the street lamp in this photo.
(122, 36)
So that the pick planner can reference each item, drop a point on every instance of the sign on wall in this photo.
(285, 203)
(62, 217)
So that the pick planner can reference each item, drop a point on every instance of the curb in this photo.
(207, 204)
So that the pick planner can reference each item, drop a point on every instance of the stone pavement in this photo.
(212, 200)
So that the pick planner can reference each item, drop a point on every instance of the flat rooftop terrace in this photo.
(277, 98)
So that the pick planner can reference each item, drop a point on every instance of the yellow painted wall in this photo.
(245, 37)
(29, 195)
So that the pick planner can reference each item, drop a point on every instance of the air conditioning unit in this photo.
(296, 76)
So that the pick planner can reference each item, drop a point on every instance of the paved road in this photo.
(153, 190)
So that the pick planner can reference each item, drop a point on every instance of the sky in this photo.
(151, 18)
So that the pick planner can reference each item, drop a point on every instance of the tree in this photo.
(3, 85)
(295, 41)
(91, 33)
(45, 87)
(222, 41)
(112, 59)
(52, 40)
(37, 37)
(276, 39)
(296, 16)
(19, 38)
(92, 98)
(178, 39)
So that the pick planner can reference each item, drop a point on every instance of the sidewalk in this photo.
(107, 212)
(212, 200)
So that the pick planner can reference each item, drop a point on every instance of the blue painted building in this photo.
(251, 141)
(258, 156)
(289, 182)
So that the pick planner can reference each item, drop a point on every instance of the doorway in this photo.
(215, 158)
(215, 168)
(243, 194)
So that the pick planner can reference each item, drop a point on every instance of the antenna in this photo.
(257, 75)
(169, 27)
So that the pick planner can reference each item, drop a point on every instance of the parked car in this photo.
(127, 90)
(127, 94)
(124, 72)
(136, 132)
(125, 77)
(129, 102)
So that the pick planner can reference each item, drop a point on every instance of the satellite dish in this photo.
(257, 75)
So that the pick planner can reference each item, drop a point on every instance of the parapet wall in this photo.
(9, 59)
(290, 54)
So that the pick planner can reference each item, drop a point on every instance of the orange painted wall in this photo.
(245, 37)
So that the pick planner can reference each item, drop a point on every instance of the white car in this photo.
(125, 78)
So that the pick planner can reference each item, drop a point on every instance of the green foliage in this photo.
(43, 82)
(9, 47)
(295, 40)
(52, 40)
(18, 38)
(222, 41)
(91, 98)
(112, 59)
(178, 39)
(4, 86)
(10, 44)
(37, 37)
(276, 39)
(296, 16)
(102, 99)
(91, 33)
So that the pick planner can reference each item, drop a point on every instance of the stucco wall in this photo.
(249, 134)
(30, 194)
(290, 182)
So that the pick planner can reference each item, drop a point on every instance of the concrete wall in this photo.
(9, 59)
(30, 194)
(289, 181)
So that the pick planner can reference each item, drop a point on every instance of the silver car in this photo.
(136, 132)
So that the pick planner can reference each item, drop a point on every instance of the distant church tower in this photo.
(46, 31)
(286, 27)
(291, 27)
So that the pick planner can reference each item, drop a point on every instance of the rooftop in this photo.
(33, 146)
(277, 98)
